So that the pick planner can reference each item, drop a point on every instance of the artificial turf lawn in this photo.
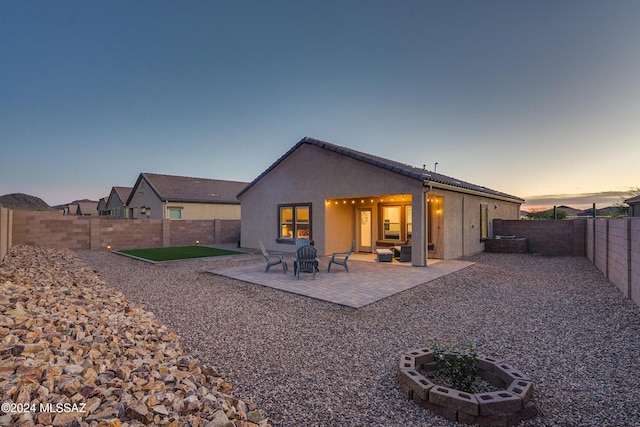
(177, 252)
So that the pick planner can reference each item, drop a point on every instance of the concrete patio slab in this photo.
(366, 282)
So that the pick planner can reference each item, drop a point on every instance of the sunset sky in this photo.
(538, 99)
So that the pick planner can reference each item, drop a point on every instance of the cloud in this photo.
(578, 201)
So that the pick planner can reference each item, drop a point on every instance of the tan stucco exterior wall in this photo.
(204, 210)
(311, 175)
(145, 196)
(461, 220)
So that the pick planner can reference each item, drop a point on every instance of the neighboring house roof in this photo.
(122, 193)
(419, 174)
(87, 208)
(72, 208)
(633, 200)
(171, 188)
(102, 203)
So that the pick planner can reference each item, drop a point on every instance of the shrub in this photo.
(458, 364)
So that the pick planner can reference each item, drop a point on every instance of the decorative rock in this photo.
(68, 339)
(137, 411)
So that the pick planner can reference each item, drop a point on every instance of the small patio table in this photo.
(384, 255)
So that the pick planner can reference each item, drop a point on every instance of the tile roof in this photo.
(391, 165)
(123, 193)
(635, 199)
(171, 188)
(88, 207)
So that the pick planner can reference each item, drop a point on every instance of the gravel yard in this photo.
(312, 363)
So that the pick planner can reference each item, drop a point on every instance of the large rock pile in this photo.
(74, 352)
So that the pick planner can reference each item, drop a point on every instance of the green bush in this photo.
(458, 364)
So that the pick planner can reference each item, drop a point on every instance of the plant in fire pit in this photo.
(458, 364)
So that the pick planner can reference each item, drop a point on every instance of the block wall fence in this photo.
(52, 229)
(612, 245)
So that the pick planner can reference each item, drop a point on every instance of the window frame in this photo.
(174, 209)
(484, 221)
(402, 205)
(294, 222)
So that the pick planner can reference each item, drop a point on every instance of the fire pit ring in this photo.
(505, 407)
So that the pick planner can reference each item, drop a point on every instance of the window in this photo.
(484, 221)
(391, 222)
(175, 213)
(294, 221)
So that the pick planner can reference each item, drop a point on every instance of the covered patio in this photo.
(366, 282)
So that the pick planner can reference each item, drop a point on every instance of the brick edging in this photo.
(497, 408)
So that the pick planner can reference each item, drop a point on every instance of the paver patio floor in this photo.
(365, 283)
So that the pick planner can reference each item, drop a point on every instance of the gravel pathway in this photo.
(308, 362)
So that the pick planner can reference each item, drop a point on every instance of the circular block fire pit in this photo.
(505, 407)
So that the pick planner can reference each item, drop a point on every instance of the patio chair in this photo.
(405, 252)
(305, 261)
(302, 241)
(341, 258)
(273, 258)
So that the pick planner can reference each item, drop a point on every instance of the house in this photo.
(102, 206)
(87, 208)
(70, 209)
(335, 195)
(156, 196)
(634, 206)
(116, 206)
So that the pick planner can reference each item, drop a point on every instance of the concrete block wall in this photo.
(227, 231)
(186, 232)
(126, 233)
(634, 274)
(6, 216)
(546, 237)
(618, 256)
(600, 251)
(52, 229)
(614, 248)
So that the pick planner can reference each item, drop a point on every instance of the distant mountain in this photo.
(24, 202)
(572, 212)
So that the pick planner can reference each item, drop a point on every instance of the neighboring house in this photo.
(116, 206)
(102, 206)
(70, 209)
(634, 206)
(87, 208)
(335, 195)
(156, 196)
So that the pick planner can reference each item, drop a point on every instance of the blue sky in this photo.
(533, 98)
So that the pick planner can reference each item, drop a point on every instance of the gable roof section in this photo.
(419, 174)
(633, 200)
(122, 193)
(172, 188)
(87, 207)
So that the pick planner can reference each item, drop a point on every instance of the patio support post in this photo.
(424, 233)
